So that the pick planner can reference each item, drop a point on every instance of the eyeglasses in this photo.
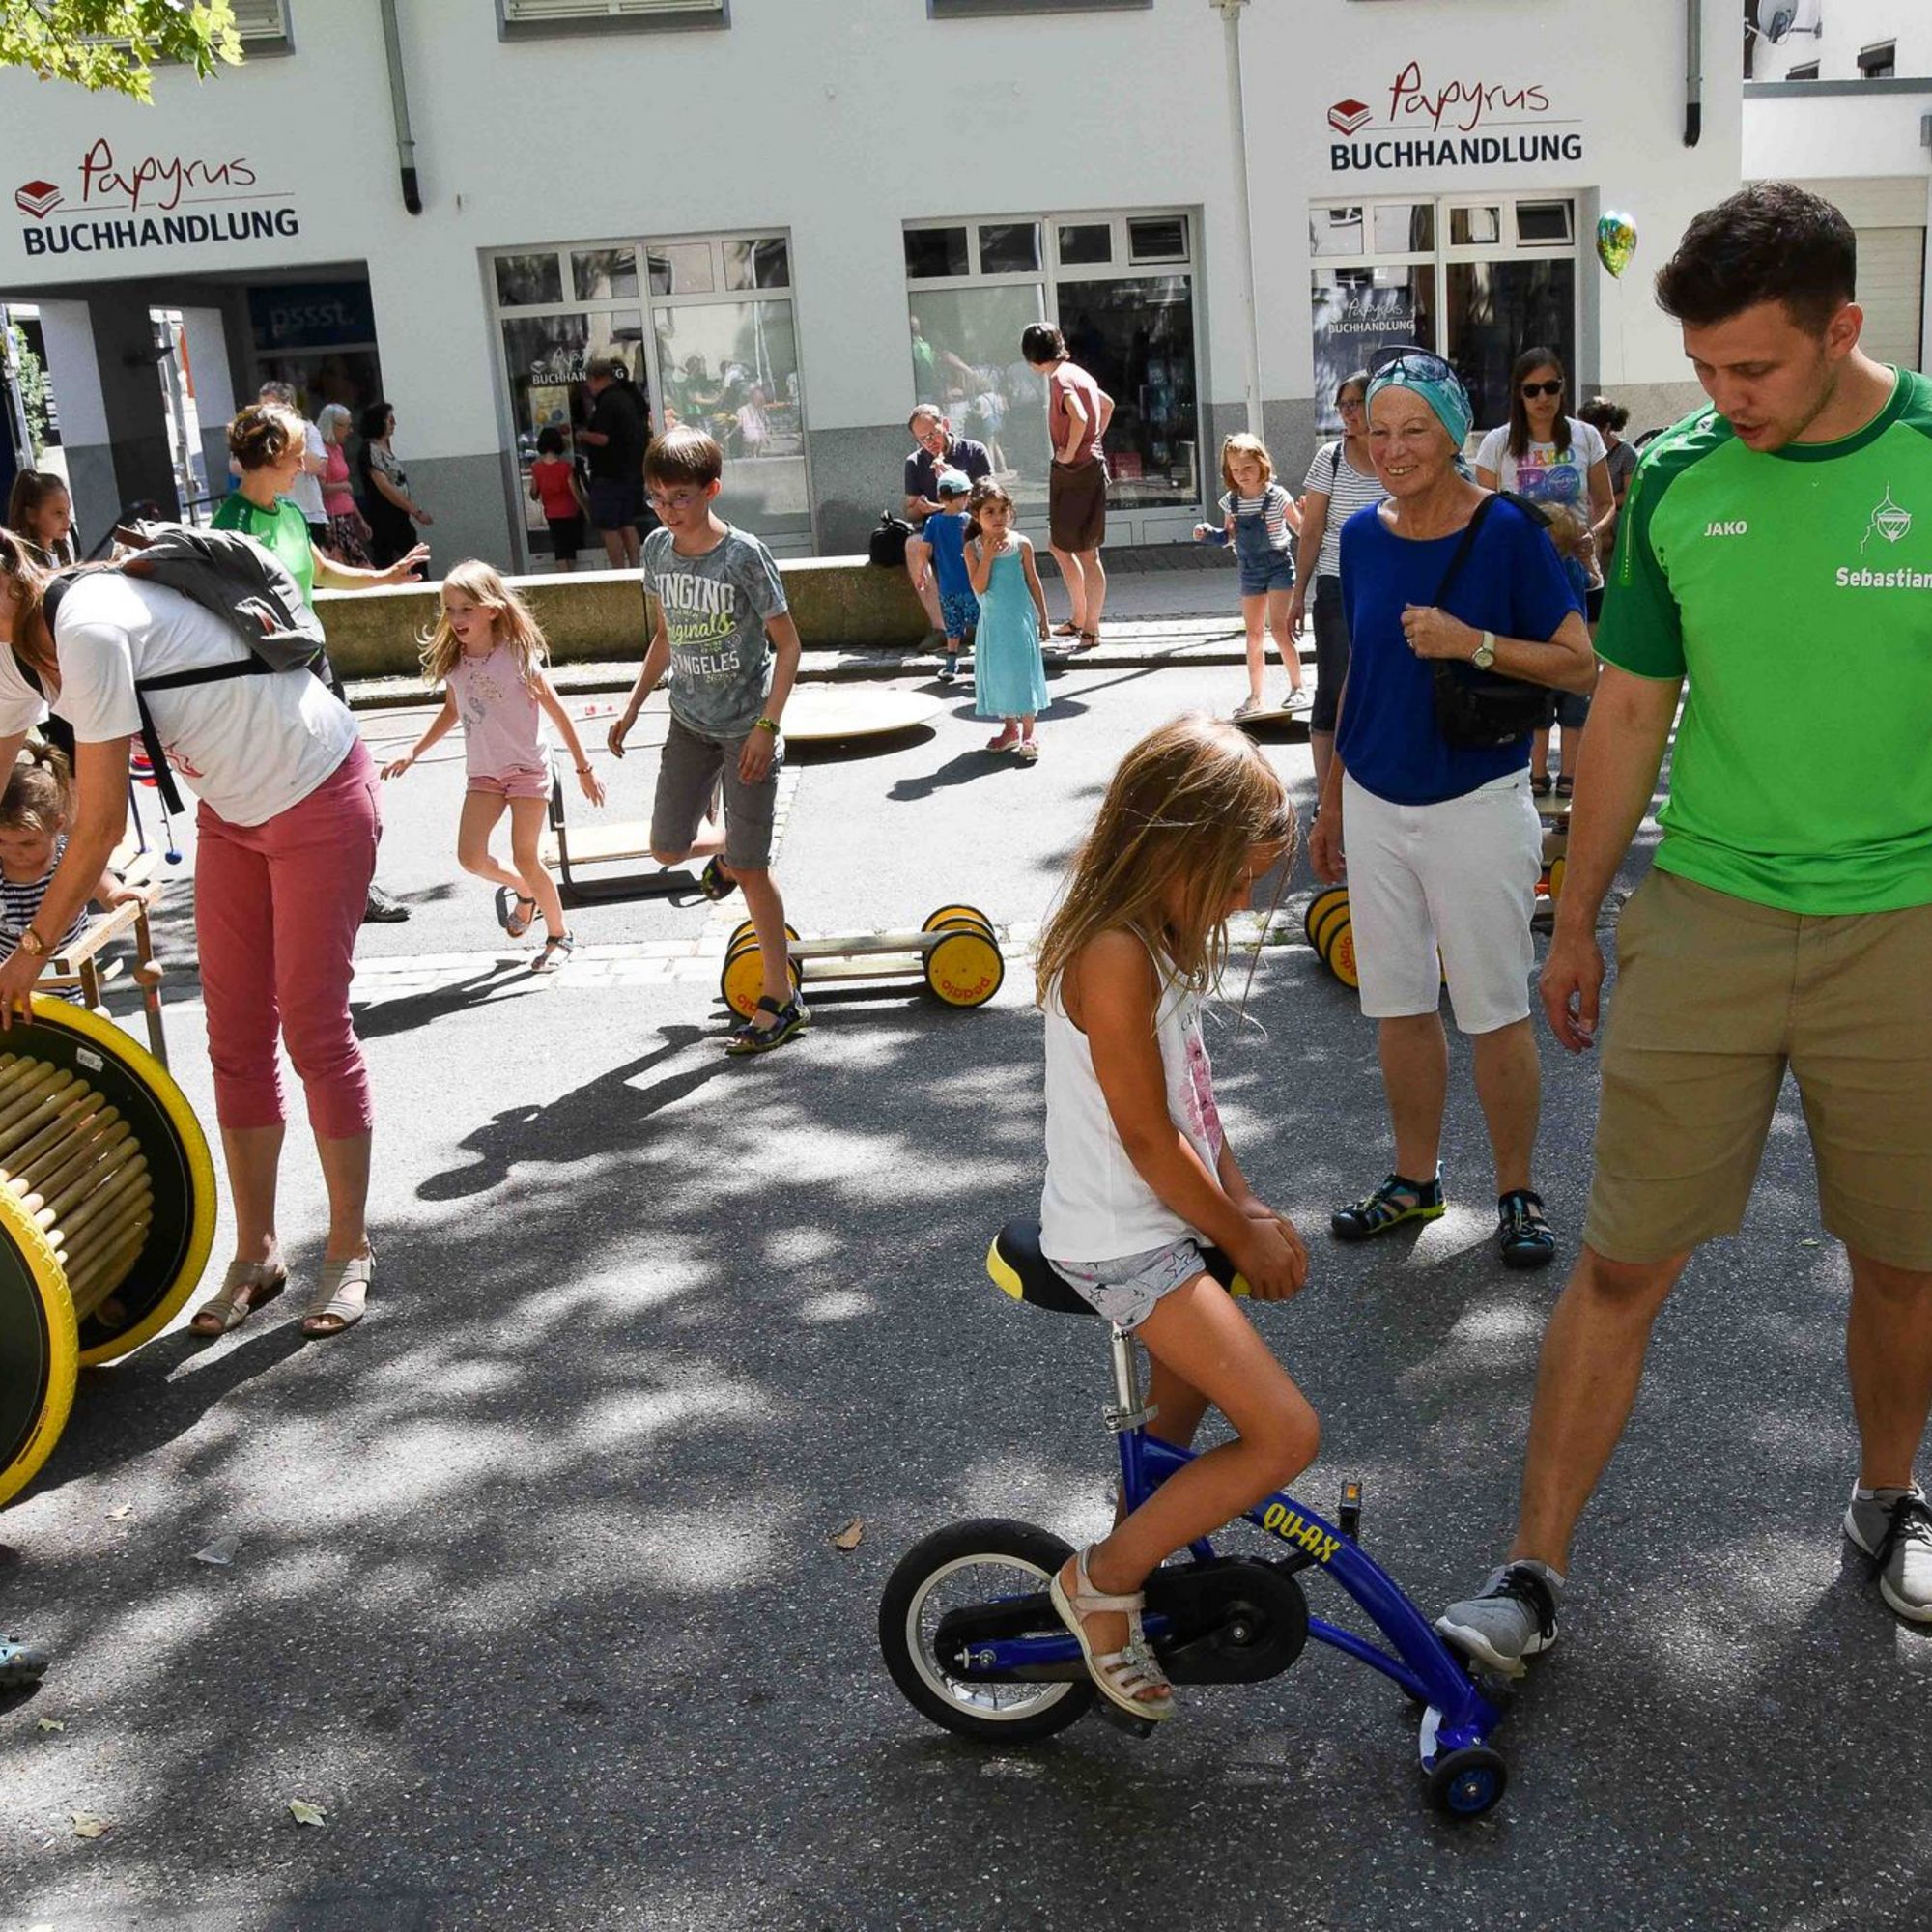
(677, 500)
(1531, 390)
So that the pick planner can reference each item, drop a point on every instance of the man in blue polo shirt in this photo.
(936, 449)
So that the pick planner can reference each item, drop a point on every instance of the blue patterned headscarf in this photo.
(1436, 382)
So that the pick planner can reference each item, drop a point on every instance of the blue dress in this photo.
(1009, 677)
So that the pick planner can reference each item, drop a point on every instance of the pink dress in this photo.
(503, 727)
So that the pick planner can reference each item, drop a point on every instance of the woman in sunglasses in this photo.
(1554, 458)
(1441, 839)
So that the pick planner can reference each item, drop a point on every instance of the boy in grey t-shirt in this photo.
(726, 641)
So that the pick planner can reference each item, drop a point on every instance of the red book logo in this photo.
(39, 198)
(1345, 116)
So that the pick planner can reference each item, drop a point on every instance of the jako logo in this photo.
(1737, 529)
(38, 198)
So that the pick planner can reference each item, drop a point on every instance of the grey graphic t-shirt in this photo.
(715, 608)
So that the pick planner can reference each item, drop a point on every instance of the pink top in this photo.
(1068, 378)
(337, 498)
(502, 728)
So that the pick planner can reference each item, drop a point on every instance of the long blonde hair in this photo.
(513, 625)
(1189, 803)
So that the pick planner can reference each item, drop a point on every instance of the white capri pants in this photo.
(1459, 877)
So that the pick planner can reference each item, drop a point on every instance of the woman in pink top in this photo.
(487, 654)
(348, 532)
(1078, 412)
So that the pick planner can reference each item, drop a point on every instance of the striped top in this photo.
(1272, 504)
(20, 900)
(1332, 476)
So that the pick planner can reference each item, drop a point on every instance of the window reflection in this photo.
(935, 254)
(597, 274)
(764, 264)
(682, 269)
(524, 280)
(731, 370)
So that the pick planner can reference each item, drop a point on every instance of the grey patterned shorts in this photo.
(1126, 1289)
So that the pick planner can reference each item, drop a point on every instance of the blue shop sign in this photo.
(311, 315)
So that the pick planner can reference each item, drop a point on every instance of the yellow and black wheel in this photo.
(1557, 868)
(133, 1246)
(1334, 917)
(1341, 955)
(39, 1350)
(954, 915)
(1311, 915)
(965, 969)
(743, 979)
(745, 929)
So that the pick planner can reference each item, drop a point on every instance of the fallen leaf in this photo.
(51, 1724)
(852, 1535)
(87, 1825)
(1809, 1242)
(307, 1813)
(119, 1512)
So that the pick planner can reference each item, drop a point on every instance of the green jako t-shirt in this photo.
(284, 530)
(1793, 588)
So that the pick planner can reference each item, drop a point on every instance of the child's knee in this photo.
(1289, 1442)
(474, 859)
(670, 854)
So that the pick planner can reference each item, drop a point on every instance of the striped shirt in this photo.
(1332, 476)
(20, 900)
(1272, 504)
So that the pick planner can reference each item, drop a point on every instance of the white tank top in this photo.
(1096, 1206)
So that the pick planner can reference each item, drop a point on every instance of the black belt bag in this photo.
(1483, 710)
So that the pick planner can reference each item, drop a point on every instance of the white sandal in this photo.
(341, 1294)
(1120, 1675)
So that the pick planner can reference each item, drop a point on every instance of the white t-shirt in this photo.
(248, 747)
(1543, 476)
(305, 492)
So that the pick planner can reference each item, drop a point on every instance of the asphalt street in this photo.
(533, 1591)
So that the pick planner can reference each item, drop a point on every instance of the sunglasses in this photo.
(1409, 360)
(1531, 390)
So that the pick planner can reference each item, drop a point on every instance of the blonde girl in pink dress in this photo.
(488, 653)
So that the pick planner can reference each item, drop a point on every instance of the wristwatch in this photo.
(1485, 653)
(33, 945)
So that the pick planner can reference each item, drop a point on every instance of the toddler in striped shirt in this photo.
(34, 812)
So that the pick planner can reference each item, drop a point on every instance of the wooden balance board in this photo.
(826, 714)
(1274, 718)
(956, 955)
(106, 1215)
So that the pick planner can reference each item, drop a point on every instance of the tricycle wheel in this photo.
(1465, 1784)
(973, 1563)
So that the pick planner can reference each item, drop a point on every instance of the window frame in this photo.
(678, 20)
(993, 10)
(1879, 60)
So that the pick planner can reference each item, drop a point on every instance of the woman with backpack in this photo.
(1340, 480)
(287, 831)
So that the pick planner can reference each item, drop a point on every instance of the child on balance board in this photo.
(727, 642)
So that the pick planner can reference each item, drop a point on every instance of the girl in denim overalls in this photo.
(1261, 520)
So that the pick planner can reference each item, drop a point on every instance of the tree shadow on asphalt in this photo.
(537, 1590)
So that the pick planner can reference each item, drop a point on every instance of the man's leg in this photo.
(927, 595)
(1075, 580)
(1889, 1353)
(1415, 1076)
(1095, 591)
(1509, 1083)
(613, 547)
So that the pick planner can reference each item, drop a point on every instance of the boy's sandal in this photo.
(246, 1287)
(1396, 1201)
(714, 882)
(513, 921)
(340, 1297)
(789, 1020)
(555, 951)
(1119, 1675)
(1523, 1232)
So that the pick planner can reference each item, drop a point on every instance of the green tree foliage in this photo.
(115, 44)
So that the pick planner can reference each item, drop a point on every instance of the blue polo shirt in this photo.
(1511, 582)
(922, 467)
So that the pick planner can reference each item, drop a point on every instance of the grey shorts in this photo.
(689, 775)
(1126, 1289)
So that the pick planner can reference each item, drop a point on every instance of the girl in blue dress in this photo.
(1009, 673)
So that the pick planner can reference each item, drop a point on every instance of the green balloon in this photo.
(1616, 241)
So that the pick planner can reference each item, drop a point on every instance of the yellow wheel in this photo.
(40, 1352)
(952, 915)
(1557, 868)
(745, 929)
(965, 969)
(1322, 901)
(1333, 917)
(180, 1173)
(743, 979)
(1342, 954)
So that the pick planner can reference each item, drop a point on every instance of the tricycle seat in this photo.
(1020, 1269)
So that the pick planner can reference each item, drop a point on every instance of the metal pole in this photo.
(1238, 123)
(399, 101)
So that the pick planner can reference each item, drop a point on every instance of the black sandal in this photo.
(714, 882)
(791, 1019)
(1523, 1233)
(1386, 1209)
(1565, 786)
(1540, 784)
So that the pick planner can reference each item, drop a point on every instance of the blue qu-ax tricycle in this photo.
(972, 1638)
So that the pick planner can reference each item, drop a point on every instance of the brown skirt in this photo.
(1076, 505)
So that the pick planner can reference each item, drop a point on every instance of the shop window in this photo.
(1359, 312)
(1405, 227)
(598, 275)
(1086, 243)
(1335, 231)
(730, 368)
(1543, 223)
(1009, 248)
(966, 360)
(1159, 238)
(1475, 227)
(526, 281)
(516, 17)
(682, 269)
(1880, 62)
(1494, 311)
(936, 254)
(764, 264)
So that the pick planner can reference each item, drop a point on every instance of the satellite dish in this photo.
(1777, 19)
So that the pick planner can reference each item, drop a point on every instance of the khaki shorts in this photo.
(694, 771)
(1076, 505)
(1714, 998)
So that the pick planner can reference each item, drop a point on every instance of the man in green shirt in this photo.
(1774, 568)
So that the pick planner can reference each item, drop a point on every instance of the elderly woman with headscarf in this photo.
(1443, 845)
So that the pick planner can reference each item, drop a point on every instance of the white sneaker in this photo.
(1298, 700)
(1894, 1529)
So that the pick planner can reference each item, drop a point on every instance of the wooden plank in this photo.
(601, 844)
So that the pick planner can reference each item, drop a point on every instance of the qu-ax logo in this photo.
(1293, 1527)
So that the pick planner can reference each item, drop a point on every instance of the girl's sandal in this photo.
(340, 1297)
(513, 921)
(1026, 750)
(1396, 1201)
(548, 960)
(1119, 1675)
(246, 1287)
(1007, 741)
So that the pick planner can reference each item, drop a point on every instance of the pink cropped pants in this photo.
(276, 910)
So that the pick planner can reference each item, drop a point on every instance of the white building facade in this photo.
(794, 218)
